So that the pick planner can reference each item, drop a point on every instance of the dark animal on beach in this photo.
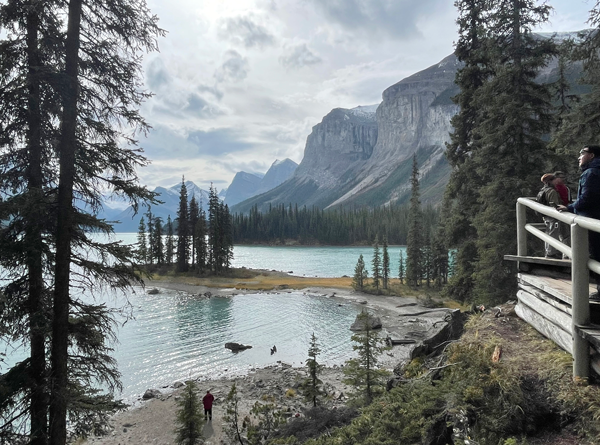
(273, 349)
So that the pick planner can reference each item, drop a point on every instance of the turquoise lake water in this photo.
(174, 336)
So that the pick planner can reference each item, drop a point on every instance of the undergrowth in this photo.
(471, 399)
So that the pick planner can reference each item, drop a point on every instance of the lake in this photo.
(175, 336)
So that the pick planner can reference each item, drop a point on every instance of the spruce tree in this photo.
(462, 192)
(189, 417)
(362, 372)
(201, 245)
(157, 242)
(231, 419)
(385, 264)
(194, 215)
(169, 242)
(376, 263)
(360, 274)
(183, 230)
(312, 385)
(214, 248)
(151, 238)
(142, 245)
(414, 260)
(401, 272)
(516, 112)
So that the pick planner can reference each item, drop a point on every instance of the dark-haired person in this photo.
(565, 196)
(588, 198)
(552, 199)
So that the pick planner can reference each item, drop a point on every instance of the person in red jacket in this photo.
(207, 401)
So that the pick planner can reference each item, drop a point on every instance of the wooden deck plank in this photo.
(592, 335)
(557, 287)
(538, 260)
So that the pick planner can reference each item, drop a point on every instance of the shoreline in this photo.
(153, 421)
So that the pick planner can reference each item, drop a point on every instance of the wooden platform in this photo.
(545, 302)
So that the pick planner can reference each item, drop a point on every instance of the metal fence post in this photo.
(581, 306)
(521, 232)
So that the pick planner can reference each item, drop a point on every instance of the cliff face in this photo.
(342, 139)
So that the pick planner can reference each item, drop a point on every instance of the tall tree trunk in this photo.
(60, 331)
(34, 242)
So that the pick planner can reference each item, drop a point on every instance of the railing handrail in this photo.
(580, 266)
(566, 217)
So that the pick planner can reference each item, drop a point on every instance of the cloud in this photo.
(157, 74)
(197, 106)
(299, 56)
(397, 19)
(234, 69)
(244, 31)
(217, 142)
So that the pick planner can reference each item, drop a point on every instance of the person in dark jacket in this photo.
(588, 198)
(207, 401)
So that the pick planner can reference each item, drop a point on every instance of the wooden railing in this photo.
(581, 264)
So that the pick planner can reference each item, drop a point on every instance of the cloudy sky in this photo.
(240, 83)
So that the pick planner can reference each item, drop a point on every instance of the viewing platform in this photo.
(553, 294)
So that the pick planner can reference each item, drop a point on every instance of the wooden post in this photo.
(581, 305)
(521, 232)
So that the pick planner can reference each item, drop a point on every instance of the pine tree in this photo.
(517, 117)
(142, 246)
(157, 242)
(462, 192)
(232, 426)
(214, 247)
(189, 417)
(376, 263)
(183, 230)
(201, 246)
(169, 243)
(385, 264)
(414, 260)
(360, 274)
(401, 268)
(312, 385)
(362, 372)
(426, 255)
(194, 215)
(151, 238)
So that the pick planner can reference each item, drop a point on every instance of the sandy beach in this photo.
(153, 421)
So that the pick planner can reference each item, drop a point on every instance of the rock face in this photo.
(360, 324)
(363, 156)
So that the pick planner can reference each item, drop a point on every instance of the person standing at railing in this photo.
(588, 199)
(550, 197)
(565, 196)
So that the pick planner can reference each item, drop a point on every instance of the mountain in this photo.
(129, 222)
(363, 156)
(246, 185)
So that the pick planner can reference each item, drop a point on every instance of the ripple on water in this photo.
(175, 336)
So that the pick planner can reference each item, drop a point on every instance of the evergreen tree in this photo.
(401, 268)
(201, 245)
(362, 372)
(312, 385)
(189, 417)
(213, 229)
(142, 246)
(194, 215)
(462, 192)
(414, 260)
(516, 112)
(385, 264)
(376, 263)
(579, 114)
(360, 274)
(232, 426)
(169, 242)
(151, 238)
(426, 255)
(183, 230)
(157, 242)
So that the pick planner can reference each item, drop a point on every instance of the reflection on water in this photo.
(176, 336)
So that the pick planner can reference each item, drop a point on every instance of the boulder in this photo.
(360, 324)
(153, 291)
(235, 347)
(151, 394)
